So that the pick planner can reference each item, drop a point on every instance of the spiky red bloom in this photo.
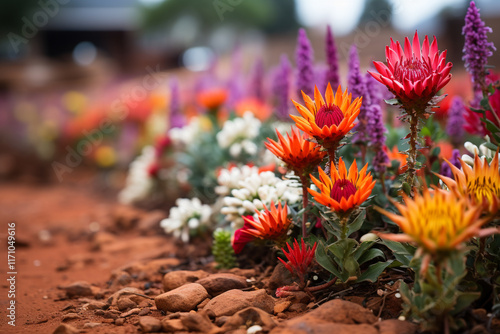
(299, 258)
(414, 74)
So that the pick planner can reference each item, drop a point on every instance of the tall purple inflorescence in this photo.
(456, 121)
(257, 80)
(177, 120)
(445, 168)
(356, 84)
(332, 74)
(304, 62)
(281, 88)
(476, 49)
(374, 88)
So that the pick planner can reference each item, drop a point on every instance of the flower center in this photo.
(413, 70)
(483, 188)
(328, 115)
(342, 188)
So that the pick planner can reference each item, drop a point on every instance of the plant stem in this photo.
(322, 286)
(332, 151)
(305, 202)
(413, 151)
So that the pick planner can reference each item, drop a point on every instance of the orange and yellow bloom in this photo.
(481, 182)
(344, 191)
(271, 224)
(298, 153)
(327, 121)
(212, 98)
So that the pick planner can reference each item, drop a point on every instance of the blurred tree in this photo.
(378, 10)
(270, 16)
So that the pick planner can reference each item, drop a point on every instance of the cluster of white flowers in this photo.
(258, 190)
(482, 151)
(230, 179)
(187, 215)
(139, 182)
(237, 134)
(188, 133)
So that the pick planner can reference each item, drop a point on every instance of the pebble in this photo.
(149, 324)
(125, 303)
(91, 324)
(144, 311)
(70, 316)
(77, 289)
(183, 299)
(119, 321)
(65, 329)
(131, 312)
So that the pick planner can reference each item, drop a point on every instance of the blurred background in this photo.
(64, 64)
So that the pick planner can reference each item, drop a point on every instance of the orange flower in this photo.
(437, 222)
(300, 154)
(482, 182)
(212, 98)
(270, 225)
(328, 121)
(343, 192)
(400, 157)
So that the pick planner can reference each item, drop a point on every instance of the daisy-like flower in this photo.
(299, 258)
(327, 121)
(414, 75)
(298, 153)
(270, 224)
(438, 222)
(188, 215)
(212, 98)
(481, 182)
(344, 191)
(237, 135)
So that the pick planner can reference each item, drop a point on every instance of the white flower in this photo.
(229, 179)
(255, 191)
(139, 182)
(482, 151)
(188, 214)
(187, 134)
(237, 134)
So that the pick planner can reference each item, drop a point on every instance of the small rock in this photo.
(298, 307)
(281, 306)
(203, 304)
(97, 305)
(127, 291)
(233, 301)
(175, 279)
(111, 314)
(184, 298)
(91, 324)
(119, 321)
(280, 277)
(124, 303)
(321, 327)
(249, 317)
(144, 311)
(393, 326)
(149, 324)
(66, 329)
(78, 289)
(218, 283)
(248, 273)
(129, 313)
(197, 322)
(172, 325)
(70, 316)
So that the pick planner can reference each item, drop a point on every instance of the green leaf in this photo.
(491, 146)
(362, 248)
(485, 104)
(402, 253)
(492, 128)
(370, 255)
(357, 223)
(426, 132)
(464, 300)
(324, 260)
(373, 272)
(392, 102)
(406, 188)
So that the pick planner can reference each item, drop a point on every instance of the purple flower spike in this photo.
(332, 75)
(257, 80)
(356, 85)
(281, 88)
(304, 62)
(177, 120)
(477, 49)
(456, 121)
(445, 168)
(374, 89)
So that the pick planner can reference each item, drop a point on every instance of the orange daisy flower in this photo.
(343, 191)
(400, 157)
(300, 154)
(437, 222)
(270, 225)
(328, 121)
(482, 182)
(212, 98)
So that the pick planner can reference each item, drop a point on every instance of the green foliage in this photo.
(222, 250)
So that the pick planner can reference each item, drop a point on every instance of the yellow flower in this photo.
(327, 121)
(481, 183)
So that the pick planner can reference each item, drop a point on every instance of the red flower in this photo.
(299, 258)
(414, 74)
(473, 123)
(240, 238)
